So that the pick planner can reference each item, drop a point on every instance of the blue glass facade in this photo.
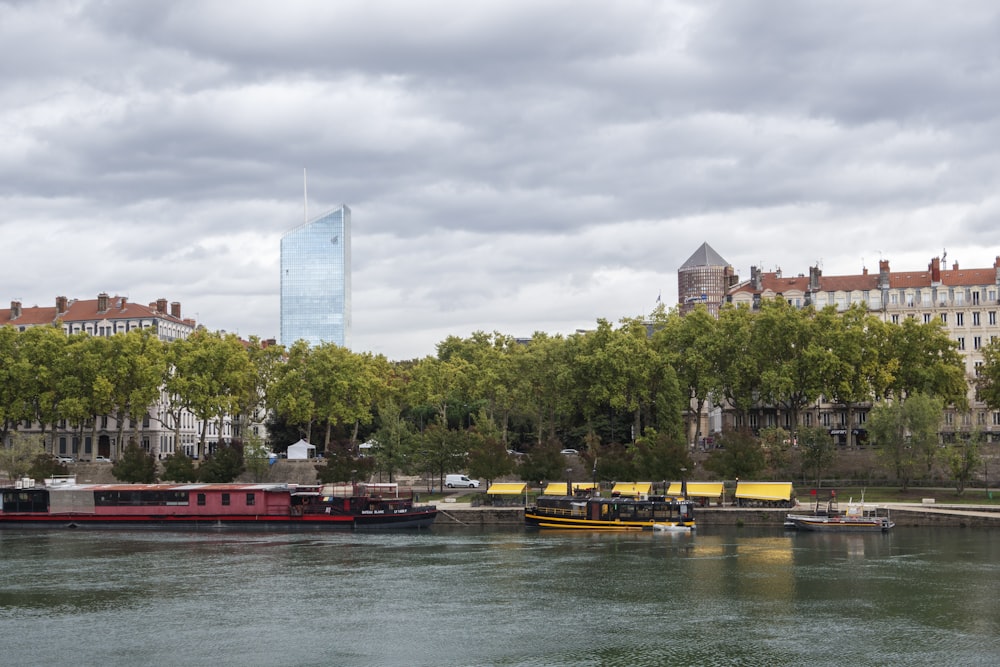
(316, 280)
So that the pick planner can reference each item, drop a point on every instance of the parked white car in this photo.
(102, 459)
(65, 459)
(460, 482)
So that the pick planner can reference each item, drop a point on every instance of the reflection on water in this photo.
(452, 597)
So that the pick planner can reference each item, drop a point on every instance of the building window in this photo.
(944, 318)
(895, 319)
(225, 499)
(949, 418)
(826, 419)
(977, 342)
(251, 499)
(975, 297)
(960, 319)
(975, 319)
(979, 368)
(959, 298)
(927, 318)
(993, 317)
(201, 499)
(961, 342)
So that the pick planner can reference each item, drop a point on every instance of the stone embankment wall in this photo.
(463, 515)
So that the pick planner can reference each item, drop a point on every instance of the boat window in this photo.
(225, 498)
(25, 501)
(250, 499)
(201, 498)
(139, 498)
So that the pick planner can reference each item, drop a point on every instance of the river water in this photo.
(724, 596)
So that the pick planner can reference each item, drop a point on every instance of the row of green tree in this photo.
(636, 388)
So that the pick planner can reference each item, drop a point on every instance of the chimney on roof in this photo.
(814, 275)
(62, 305)
(102, 302)
(175, 309)
(954, 267)
(161, 306)
(756, 280)
(121, 302)
(935, 269)
(15, 307)
(883, 274)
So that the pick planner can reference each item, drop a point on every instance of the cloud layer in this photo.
(510, 165)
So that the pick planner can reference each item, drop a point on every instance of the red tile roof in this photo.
(80, 310)
(954, 277)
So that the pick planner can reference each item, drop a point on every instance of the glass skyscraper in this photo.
(316, 280)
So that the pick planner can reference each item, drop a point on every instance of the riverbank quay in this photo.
(904, 514)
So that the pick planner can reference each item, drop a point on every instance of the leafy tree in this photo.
(861, 366)
(791, 357)
(223, 465)
(543, 387)
(135, 465)
(442, 450)
(211, 375)
(988, 375)
(923, 419)
(544, 462)
(609, 463)
(343, 465)
(488, 457)
(735, 362)
(906, 433)
(256, 456)
(45, 465)
(42, 365)
(19, 456)
(887, 430)
(13, 374)
(740, 456)
(777, 445)
(179, 467)
(818, 451)
(661, 456)
(928, 362)
(135, 373)
(395, 439)
(688, 343)
(963, 459)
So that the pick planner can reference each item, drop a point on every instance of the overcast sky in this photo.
(510, 166)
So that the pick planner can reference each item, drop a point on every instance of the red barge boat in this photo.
(61, 502)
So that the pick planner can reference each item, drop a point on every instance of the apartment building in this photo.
(106, 316)
(965, 300)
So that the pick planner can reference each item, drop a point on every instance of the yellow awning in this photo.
(632, 488)
(506, 488)
(559, 488)
(697, 489)
(764, 490)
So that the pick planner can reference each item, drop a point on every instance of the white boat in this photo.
(858, 517)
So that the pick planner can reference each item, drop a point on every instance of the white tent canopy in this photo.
(301, 450)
